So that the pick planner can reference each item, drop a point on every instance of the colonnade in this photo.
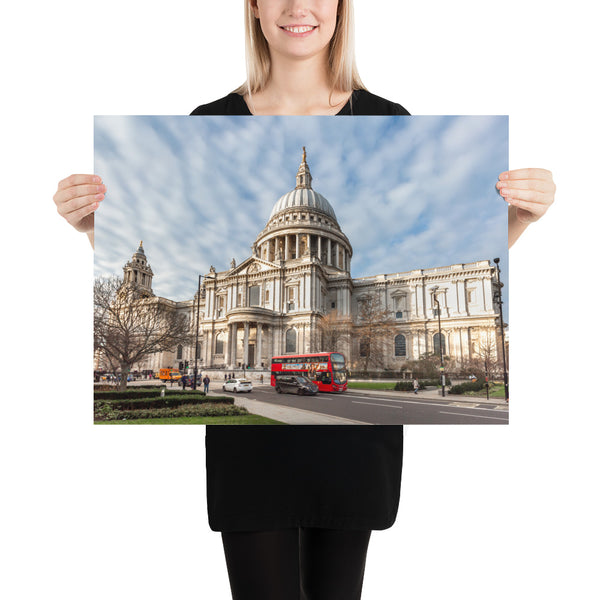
(295, 245)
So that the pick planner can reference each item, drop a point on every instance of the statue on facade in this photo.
(233, 263)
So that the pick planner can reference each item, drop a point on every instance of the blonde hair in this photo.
(342, 63)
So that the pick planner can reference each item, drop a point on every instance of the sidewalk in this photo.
(292, 416)
(432, 395)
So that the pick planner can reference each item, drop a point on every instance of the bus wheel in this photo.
(278, 389)
(300, 392)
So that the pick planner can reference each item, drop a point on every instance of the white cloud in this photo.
(407, 192)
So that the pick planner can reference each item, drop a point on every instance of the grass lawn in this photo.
(371, 385)
(241, 420)
(496, 391)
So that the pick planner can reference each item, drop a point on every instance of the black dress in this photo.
(266, 477)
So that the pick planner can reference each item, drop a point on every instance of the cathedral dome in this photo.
(303, 196)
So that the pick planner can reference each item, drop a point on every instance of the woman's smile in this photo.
(298, 30)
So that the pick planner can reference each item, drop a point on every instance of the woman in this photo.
(296, 505)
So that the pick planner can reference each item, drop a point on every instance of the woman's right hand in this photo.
(76, 199)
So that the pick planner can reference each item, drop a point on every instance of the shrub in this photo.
(470, 386)
(404, 386)
(187, 410)
(149, 392)
(170, 401)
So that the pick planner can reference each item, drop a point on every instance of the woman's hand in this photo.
(76, 199)
(530, 192)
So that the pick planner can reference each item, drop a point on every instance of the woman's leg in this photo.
(332, 563)
(263, 565)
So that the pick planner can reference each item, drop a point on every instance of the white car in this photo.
(237, 385)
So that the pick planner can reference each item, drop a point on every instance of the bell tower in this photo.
(137, 274)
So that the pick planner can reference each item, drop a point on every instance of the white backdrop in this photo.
(486, 512)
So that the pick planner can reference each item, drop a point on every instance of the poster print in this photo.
(302, 270)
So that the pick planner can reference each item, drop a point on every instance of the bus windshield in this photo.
(338, 366)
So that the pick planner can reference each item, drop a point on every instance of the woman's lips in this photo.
(298, 30)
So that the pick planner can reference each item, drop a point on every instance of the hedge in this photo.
(470, 386)
(407, 386)
(186, 410)
(163, 401)
(130, 394)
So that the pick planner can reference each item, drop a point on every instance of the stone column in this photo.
(233, 345)
(258, 355)
(227, 345)
(297, 245)
(329, 251)
(246, 340)
(287, 248)
(319, 247)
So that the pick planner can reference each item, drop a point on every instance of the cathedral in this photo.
(299, 272)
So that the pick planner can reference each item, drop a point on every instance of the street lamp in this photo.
(439, 312)
(498, 299)
(197, 330)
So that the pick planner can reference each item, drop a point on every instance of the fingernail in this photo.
(99, 196)
(97, 179)
(503, 175)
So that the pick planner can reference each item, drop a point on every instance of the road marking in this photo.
(375, 404)
(474, 416)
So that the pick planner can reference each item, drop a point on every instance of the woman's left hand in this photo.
(530, 191)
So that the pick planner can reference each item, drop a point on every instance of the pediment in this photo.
(252, 266)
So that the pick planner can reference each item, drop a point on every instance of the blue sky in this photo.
(409, 192)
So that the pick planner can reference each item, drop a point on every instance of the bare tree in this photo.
(487, 353)
(332, 333)
(372, 327)
(130, 325)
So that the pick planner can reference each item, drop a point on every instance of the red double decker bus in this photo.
(326, 369)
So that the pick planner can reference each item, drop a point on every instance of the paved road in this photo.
(378, 407)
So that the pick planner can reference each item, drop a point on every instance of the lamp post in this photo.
(197, 331)
(498, 298)
(439, 312)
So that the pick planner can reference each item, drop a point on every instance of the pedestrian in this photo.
(261, 378)
(301, 61)
(206, 381)
(184, 382)
(415, 384)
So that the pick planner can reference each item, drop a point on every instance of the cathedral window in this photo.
(290, 340)
(266, 295)
(254, 295)
(400, 345)
(363, 348)
(291, 298)
(179, 352)
(219, 344)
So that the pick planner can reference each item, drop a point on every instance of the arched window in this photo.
(436, 344)
(400, 345)
(290, 340)
(219, 344)
(179, 352)
(363, 348)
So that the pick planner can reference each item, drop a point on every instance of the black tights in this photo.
(296, 564)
